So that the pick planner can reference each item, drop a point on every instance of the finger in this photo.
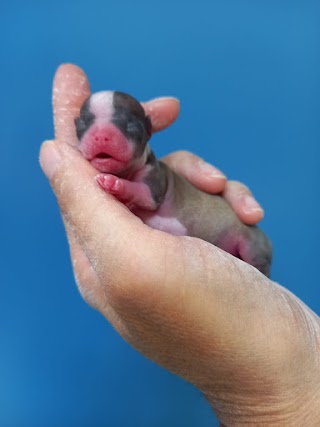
(70, 89)
(162, 112)
(242, 202)
(201, 174)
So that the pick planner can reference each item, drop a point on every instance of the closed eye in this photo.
(132, 127)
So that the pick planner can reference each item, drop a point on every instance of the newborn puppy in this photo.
(113, 133)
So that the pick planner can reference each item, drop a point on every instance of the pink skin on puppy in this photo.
(131, 193)
(106, 148)
(113, 131)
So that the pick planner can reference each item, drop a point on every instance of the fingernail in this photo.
(250, 204)
(210, 170)
(49, 158)
(163, 99)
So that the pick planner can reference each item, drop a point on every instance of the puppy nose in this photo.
(100, 138)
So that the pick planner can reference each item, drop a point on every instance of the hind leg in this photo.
(255, 249)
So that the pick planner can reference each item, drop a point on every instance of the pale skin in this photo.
(247, 343)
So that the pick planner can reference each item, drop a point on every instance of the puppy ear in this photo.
(148, 126)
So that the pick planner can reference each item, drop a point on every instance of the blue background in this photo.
(247, 74)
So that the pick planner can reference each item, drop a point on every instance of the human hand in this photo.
(250, 345)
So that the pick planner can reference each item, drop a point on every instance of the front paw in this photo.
(111, 184)
(133, 194)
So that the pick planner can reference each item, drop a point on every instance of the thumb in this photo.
(70, 89)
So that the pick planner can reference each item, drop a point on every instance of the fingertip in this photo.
(250, 217)
(66, 70)
(243, 203)
(250, 210)
(162, 111)
(160, 99)
(250, 205)
(70, 89)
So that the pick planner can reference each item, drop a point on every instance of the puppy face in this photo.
(113, 131)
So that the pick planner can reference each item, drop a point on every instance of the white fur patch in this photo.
(101, 105)
(169, 224)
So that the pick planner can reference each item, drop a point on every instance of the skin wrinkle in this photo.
(89, 292)
(142, 325)
(229, 298)
(161, 324)
(73, 229)
(255, 408)
(93, 251)
(299, 312)
(89, 249)
(91, 297)
(184, 332)
(312, 327)
(275, 411)
(85, 276)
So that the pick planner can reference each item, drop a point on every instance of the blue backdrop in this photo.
(247, 74)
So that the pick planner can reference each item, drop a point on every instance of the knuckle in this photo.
(238, 187)
(177, 157)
